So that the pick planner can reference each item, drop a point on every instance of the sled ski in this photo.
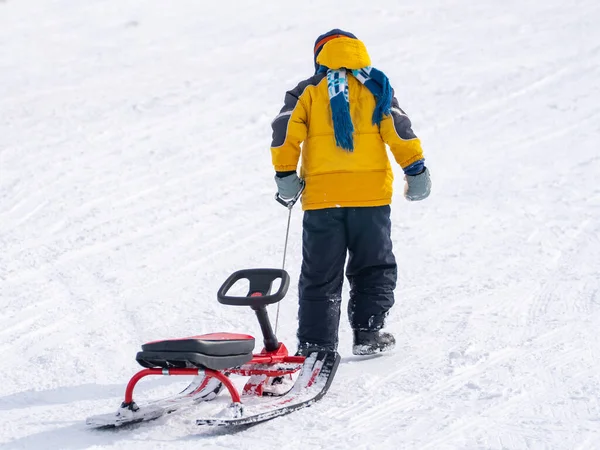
(313, 382)
(278, 383)
(201, 389)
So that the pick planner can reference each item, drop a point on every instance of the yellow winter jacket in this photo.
(336, 177)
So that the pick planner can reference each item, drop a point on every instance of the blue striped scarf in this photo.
(337, 85)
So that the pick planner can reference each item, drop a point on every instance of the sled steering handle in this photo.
(290, 202)
(261, 281)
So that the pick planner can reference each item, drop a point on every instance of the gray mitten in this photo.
(418, 186)
(288, 186)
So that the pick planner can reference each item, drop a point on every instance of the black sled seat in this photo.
(215, 351)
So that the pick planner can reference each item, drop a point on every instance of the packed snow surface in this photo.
(135, 176)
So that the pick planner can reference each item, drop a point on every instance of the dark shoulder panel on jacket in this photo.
(312, 81)
(280, 123)
(402, 123)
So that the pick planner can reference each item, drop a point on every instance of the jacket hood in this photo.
(344, 52)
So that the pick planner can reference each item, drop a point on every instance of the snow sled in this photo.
(277, 383)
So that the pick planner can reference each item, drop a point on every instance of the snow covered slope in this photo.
(135, 177)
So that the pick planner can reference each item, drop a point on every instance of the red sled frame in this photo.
(279, 356)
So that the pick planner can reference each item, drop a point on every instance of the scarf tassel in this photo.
(342, 123)
(379, 85)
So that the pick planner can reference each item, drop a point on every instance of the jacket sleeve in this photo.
(289, 131)
(396, 132)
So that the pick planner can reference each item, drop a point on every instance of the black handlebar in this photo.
(261, 281)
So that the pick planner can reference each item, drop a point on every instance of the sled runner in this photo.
(278, 383)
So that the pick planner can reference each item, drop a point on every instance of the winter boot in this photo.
(305, 349)
(371, 342)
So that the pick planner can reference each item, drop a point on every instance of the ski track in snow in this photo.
(135, 177)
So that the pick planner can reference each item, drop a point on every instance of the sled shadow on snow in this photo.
(76, 436)
(59, 396)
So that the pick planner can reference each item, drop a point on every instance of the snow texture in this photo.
(135, 176)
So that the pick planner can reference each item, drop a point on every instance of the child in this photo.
(343, 116)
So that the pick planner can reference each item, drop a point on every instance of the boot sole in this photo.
(365, 350)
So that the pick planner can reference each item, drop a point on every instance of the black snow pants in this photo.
(328, 235)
